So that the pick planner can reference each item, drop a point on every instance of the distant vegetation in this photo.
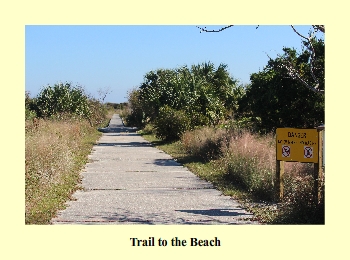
(225, 131)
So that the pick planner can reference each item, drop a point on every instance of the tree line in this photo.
(184, 98)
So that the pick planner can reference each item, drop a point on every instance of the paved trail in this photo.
(130, 182)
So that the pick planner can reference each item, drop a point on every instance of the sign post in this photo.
(318, 166)
(279, 180)
(297, 145)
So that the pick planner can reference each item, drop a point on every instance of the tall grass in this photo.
(250, 163)
(205, 142)
(55, 151)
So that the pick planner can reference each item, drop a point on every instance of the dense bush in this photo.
(134, 115)
(171, 123)
(63, 99)
(209, 95)
(206, 93)
(281, 101)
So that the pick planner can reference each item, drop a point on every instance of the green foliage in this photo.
(135, 117)
(309, 64)
(280, 101)
(30, 107)
(205, 93)
(27, 99)
(30, 114)
(171, 123)
(63, 99)
(148, 130)
(208, 95)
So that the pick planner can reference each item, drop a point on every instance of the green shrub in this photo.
(30, 114)
(134, 115)
(171, 124)
(148, 129)
(198, 119)
(242, 124)
(63, 99)
(134, 118)
(30, 107)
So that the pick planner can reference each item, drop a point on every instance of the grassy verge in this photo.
(242, 167)
(56, 151)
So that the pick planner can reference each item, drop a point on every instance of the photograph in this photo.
(174, 125)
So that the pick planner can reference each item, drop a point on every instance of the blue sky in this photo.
(118, 57)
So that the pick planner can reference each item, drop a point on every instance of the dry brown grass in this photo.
(259, 148)
(49, 149)
(54, 153)
(204, 142)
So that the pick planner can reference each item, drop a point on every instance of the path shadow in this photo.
(216, 212)
(119, 129)
(129, 144)
(166, 162)
(187, 158)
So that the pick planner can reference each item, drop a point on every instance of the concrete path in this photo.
(130, 182)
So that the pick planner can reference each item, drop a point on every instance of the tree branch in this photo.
(319, 28)
(204, 29)
(313, 56)
(294, 74)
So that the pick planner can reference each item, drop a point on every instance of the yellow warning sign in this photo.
(297, 145)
